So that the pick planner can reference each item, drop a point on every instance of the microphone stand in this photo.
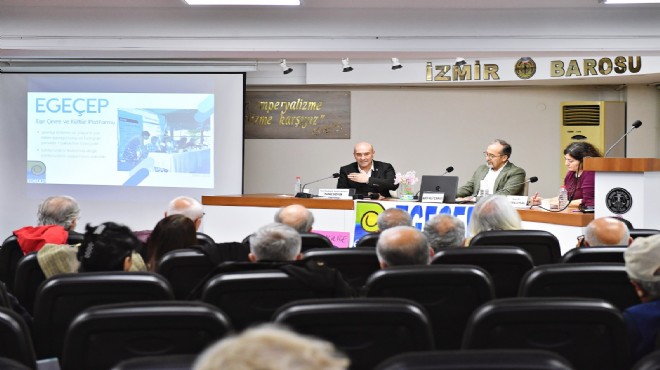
(302, 193)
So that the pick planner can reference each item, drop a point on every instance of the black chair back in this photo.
(184, 269)
(367, 330)
(10, 254)
(9, 364)
(607, 281)
(100, 337)
(169, 362)
(484, 359)
(648, 362)
(312, 241)
(354, 264)
(541, 245)
(204, 239)
(62, 297)
(589, 333)
(15, 338)
(449, 293)
(505, 264)
(594, 254)
(635, 233)
(252, 297)
(29, 277)
(368, 240)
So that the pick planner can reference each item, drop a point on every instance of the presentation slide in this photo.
(129, 139)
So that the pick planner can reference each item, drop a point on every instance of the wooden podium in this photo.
(628, 188)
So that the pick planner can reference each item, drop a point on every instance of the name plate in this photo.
(335, 193)
(433, 197)
(517, 201)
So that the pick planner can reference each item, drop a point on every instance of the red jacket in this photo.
(32, 238)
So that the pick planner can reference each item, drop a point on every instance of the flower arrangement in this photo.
(409, 178)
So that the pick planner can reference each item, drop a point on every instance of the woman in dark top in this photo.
(579, 183)
(172, 232)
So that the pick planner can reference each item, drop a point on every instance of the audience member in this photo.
(444, 231)
(270, 347)
(277, 246)
(172, 232)
(393, 217)
(110, 247)
(494, 212)
(401, 246)
(182, 205)
(57, 218)
(642, 321)
(367, 176)
(605, 231)
(498, 175)
(296, 216)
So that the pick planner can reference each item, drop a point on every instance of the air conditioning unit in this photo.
(601, 123)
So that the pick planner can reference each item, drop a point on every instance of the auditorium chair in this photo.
(9, 364)
(589, 333)
(449, 293)
(485, 359)
(184, 269)
(102, 336)
(62, 297)
(505, 264)
(313, 240)
(204, 239)
(354, 264)
(635, 233)
(541, 245)
(367, 330)
(252, 297)
(368, 240)
(168, 362)
(594, 255)
(15, 339)
(29, 277)
(607, 281)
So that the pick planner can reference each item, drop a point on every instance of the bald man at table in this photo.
(365, 175)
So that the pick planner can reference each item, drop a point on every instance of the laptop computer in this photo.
(444, 184)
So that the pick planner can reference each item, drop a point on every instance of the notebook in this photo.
(444, 184)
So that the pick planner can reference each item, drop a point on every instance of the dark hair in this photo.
(172, 232)
(506, 147)
(581, 149)
(105, 247)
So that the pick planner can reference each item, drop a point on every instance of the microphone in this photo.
(635, 125)
(531, 179)
(302, 193)
(448, 170)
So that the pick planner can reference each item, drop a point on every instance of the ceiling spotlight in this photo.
(285, 68)
(347, 65)
(396, 64)
(460, 62)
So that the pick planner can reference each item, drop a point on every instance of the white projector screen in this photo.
(122, 144)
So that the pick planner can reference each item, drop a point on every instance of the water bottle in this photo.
(296, 186)
(562, 198)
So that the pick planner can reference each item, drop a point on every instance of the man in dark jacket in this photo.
(365, 175)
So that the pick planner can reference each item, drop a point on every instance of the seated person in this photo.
(579, 183)
(494, 212)
(110, 247)
(444, 231)
(605, 231)
(270, 347)
(367, 176)
(277, 247)
(403, 246)
(57, 219)
(642, 321)
(297, 216)
(498, 174)
(393, 217)
(171, 233)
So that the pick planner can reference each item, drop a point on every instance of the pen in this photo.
(534, 198)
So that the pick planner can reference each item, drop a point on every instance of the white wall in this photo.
(427, 130)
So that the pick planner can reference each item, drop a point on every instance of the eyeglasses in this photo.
(580, 241)
(491, 156)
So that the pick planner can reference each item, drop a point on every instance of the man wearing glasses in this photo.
(497, 175)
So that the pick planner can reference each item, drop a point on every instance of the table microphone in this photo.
(635, 125)
(448, 170)
(302, 193)
(531, 179)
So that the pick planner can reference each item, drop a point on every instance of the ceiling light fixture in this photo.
(285, 68)
(347, 65)
(460, 62)
(396, 64)
(243, 2)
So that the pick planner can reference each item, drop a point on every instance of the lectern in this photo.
(628, 188)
